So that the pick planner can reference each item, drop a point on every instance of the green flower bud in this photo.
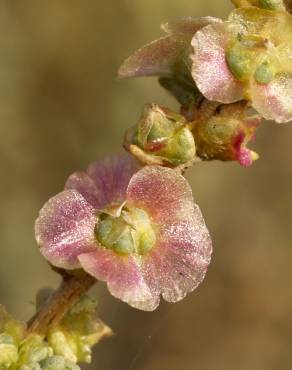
(8, 355)
(33, 350)
(62, 345)
(86, 305)
(6, 339)
(11, 327)
(58, 363)
(239, 62)
(264, 73)
(78, 332)
(114, 233)
(161, 137)
(225, 135)
(34, 366)
(129, 233)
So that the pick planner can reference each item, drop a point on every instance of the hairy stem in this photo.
(52, 311)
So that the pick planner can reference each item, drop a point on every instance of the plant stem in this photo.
(52, 311)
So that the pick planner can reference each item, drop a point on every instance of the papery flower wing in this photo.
(179, 263)
(86, 186)
(160, 57)
(274, 100)
(188, 25)
(123, 276)
(154, 59)
(179, 260)
(209, 67)
(65, 228)
(105, 181)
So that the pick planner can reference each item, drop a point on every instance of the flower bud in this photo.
(161, 137)
(62, 346)
(34, 366)
(58, 363)
(265, 73)
(78, 332)
(225, 135)
(239, 61)
(33, 350)
(8, 351)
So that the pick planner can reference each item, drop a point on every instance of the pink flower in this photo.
(247, 57)
(137, 229)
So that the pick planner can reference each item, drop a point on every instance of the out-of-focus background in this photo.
(61, 108)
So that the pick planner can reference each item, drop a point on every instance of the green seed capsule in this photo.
(114, 233)
(239, 62)
(146, 241)
(181, 147)
(264, 74)
(129, 233)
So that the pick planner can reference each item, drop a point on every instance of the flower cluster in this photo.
(130, 220)
(18, 352)
(208, 62)
(63, 346)
(134, 224)
(247, 57)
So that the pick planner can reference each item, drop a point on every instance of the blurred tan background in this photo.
(60, 108)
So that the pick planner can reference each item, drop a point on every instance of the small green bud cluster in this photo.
(65, 345)
(130, 232)
(161, 137)
(18, 352)
(74, 337)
